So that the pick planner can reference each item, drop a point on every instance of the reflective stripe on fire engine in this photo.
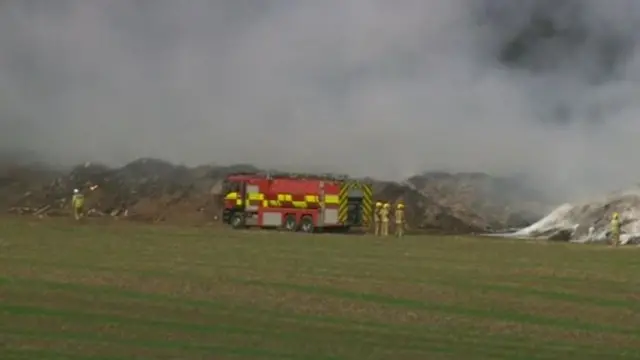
(284, 200)
(331, 199)
(367, 201)
(255, 198)
(343, 209)
(367, 204)
(234, 196)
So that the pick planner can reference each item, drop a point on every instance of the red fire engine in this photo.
(296, 202)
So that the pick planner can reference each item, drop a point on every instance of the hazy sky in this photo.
(378, 87)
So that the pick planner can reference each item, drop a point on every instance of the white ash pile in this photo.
(589, 221)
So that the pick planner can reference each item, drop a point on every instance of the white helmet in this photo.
(75, 191)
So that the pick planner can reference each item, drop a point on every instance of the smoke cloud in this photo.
(366, 87)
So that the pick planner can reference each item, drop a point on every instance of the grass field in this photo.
(141, 292)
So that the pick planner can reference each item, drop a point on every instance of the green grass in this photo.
(99, 291)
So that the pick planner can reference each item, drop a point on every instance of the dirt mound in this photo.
(18, 182)
(155, 190)
(498, 202)
(425, 212)
(146, 189)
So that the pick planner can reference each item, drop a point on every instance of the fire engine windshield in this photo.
(231, 186)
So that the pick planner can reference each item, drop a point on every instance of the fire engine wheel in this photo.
(290, 223)
(237, 221)
(306, 224)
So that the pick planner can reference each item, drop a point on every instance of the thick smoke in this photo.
(376, 87)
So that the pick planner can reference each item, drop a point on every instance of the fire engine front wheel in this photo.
(237, 221)
(306, 224)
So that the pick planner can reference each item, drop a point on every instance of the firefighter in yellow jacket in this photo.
(376, 218)
(384, 219)
(399, 218)
(77, 202)
(615, 229)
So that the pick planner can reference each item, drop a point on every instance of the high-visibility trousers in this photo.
(78, 212)
(384, 230)
(615, 238)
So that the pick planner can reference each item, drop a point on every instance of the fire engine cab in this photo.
(296, 202)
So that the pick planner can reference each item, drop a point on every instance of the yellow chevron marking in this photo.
(344, 202)
(367, 204)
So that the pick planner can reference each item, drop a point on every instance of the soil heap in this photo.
(155, 190)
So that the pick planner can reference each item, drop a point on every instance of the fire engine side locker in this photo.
(325, 216)
(329, 215)
(252, 193)
(268, 216)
